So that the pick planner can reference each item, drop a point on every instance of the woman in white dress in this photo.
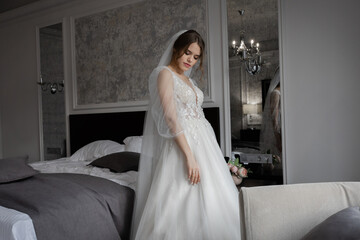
(185, 190)
(270, 135)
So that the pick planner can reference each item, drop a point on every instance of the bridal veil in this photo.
(156, 130)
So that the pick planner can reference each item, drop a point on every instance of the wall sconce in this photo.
(53, 86)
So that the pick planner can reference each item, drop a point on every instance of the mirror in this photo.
(51, 85)
(257, 20)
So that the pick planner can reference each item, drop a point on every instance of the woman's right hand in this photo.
(191, 164)
(193, 170)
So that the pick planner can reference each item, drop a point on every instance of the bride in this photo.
(185, 190)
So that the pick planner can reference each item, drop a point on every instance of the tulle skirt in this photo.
(177, 210)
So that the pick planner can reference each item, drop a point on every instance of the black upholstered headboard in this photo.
(86, 128)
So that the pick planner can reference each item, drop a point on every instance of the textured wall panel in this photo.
(116, 50)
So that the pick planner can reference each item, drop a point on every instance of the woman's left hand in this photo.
(193, 170)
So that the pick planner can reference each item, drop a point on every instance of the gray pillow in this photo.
(344, 224)
(118, 162)
(14, 169)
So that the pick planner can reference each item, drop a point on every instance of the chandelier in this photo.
(53, 86)
(251, 57)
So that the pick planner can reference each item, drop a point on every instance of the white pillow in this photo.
(97, 149)
(133, 144)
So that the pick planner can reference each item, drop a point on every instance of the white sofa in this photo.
(289, 212)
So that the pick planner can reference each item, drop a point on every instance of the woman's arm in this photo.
(166, 94)
(275, 108)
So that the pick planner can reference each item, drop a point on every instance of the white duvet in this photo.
(65, 165)
(15, 225)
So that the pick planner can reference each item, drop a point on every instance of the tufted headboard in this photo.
(86, 128)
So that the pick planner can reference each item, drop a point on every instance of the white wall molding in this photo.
(40, 112)
(209, 100)
(226, 81)
(283, 103)
(30, 11)
(105, 107)
(216, 64)
(44, 9)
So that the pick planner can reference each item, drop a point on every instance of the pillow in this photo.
(344, 224)
(118, 162)
(97, 149)
(133, 144)
(13, 169)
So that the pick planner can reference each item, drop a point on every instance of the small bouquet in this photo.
(276, 162)
(275, 158)
(238, 172)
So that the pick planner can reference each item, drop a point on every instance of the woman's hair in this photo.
(183, 42)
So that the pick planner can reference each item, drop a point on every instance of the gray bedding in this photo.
(72, 206)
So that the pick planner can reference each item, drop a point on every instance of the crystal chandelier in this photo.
(251, 57)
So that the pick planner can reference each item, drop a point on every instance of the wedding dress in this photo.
(269, 126)
(167, 205)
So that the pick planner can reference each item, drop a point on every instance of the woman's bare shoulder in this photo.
(165, 72)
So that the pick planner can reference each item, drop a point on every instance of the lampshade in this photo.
(251, 108)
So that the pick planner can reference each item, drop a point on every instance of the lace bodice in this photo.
(175, 105)
(189, 99)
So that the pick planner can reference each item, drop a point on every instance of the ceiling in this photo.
(8, 5)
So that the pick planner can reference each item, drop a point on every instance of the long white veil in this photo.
(155, 131)
(267, 136)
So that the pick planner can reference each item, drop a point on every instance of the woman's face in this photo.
(189, 58)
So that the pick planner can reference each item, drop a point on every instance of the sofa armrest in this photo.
(285, 212)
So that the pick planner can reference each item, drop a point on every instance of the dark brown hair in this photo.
(183, 42)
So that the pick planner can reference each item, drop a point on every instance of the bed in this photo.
(89, 195)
